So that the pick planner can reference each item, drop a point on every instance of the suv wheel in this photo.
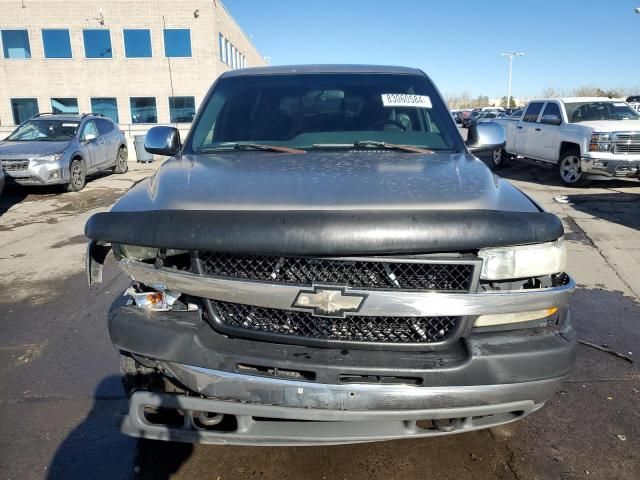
(121, 161)
(78, 176)
(570, 170)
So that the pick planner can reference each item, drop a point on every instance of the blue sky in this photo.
(567, 43)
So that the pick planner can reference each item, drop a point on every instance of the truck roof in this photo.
(318, 68)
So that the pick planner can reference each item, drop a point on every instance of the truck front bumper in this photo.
(610, 166)
(276, 394)
(295, 413)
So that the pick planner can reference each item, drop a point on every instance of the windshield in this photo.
(318, 110)
(589, 111)
(45, 130)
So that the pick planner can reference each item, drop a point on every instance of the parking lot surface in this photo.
(61, 400)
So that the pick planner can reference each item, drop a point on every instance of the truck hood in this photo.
(253, 181)
(30, 149)
(321, 203)
(612, 125)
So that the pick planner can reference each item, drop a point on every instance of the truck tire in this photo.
(78, 176)
(569, 170)
(121, 161)
(500, 159)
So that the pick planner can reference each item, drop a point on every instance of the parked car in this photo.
(470, 119)
(585, 138)
(63, 149)
(323, 260)
(517, 113)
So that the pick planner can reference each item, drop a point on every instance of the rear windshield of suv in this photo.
(590, 111)
(45, 130)
(307, 110)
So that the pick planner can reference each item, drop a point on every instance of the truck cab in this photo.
(586, 138)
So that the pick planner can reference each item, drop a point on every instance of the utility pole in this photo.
(511, 55)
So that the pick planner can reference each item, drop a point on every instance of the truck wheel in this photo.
(78, 176)
(121, 161)
(499, 159)
(570, 170)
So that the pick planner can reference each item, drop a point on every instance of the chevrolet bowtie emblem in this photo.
(328, 301)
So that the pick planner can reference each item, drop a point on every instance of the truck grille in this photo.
(627, 143)
(350, 272)
(14, 165)
(302, 325)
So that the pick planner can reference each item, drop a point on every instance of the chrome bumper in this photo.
(376, 303)
(267, 411)
(610, 167)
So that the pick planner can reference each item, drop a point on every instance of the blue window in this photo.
(106, 106)
(143, 110)
(182, 109)
(97, 43)
(23, 109)
(221, 48)
(137, 43)
(64, 105)
(177, 42)
(56, 43)
(15, 44)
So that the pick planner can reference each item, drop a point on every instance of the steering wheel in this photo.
(395, 123)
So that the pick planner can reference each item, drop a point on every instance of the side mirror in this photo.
(162, 141)
(551, 120)
(485, 136)
(87, 137)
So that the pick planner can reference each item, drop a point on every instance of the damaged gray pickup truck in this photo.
(323, 260)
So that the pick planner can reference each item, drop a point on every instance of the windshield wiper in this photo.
(252, 146)
(373, 144)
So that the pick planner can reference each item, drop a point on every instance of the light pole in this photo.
(511, 55)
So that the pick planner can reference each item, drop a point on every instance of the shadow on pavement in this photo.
(97, 450)
(616, 207)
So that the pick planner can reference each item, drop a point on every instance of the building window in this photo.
(227, 51)
(221, 47)
(143, 110)
(177, 42)
(97, 43)
(64, 105)
(15, 44)
(182, 109)
(232, 60)
(23, 109)
(106, 106)
(137, 43)
(56, 43)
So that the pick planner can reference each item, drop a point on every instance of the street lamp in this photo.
(511, 55)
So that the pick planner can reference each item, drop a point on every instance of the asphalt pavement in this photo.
(61, 400)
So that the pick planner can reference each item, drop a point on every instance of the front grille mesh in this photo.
(455, 277)
(302, 325)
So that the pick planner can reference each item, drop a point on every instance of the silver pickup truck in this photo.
(323, 260)
(584, 138)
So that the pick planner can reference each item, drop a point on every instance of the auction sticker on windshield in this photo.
(405, 100)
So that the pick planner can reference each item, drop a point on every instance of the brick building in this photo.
(140, 62)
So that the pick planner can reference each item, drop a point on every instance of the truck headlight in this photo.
(524, 261)
(600, 142)
(49, 157)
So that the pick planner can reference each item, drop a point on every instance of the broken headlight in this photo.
(136, 252)
(523, 261)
